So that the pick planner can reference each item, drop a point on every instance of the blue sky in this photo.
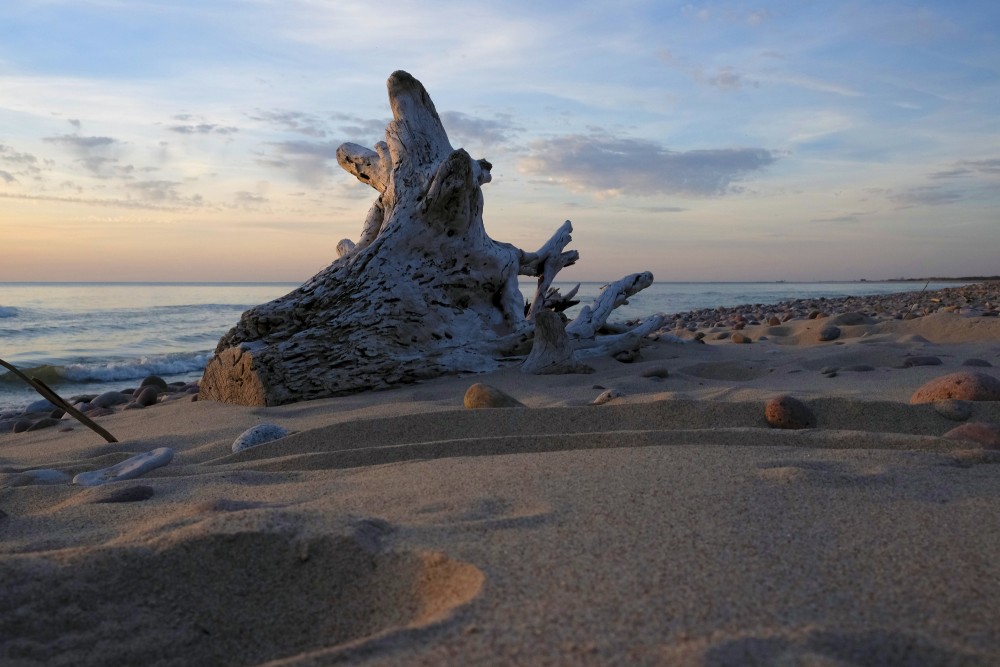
(195, 140)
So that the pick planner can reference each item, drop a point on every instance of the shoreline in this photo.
(665, 523)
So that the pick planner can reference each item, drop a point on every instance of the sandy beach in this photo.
(668, 526)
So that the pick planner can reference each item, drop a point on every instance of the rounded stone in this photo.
(148, 395)
(859, 368)
(155, 381)
(828, 333)
(773, 321)
(45, 422)
(109, 399)
(482, 395)
(42, 405)
(657, 372)
(982, 363)
(789, 413)
(258, 435)
(964, 386)
(954, 410)
(986, 434)
(740, 338)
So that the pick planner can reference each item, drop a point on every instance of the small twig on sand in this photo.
(59, 402)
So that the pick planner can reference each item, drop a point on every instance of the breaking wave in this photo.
(113, 371)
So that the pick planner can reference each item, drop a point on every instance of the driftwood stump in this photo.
(424, 292)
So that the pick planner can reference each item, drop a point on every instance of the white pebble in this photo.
(606, 396)
(258, 435)
(127, 469)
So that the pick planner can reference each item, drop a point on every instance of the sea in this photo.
(86, 338)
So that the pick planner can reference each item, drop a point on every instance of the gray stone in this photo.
(655, 372)
(910, 362)
(45, 422)
(110, 399)
(986, 434)
(829, 333)
(127, 469)
(154, 381)
(148, 395)
(852, 319)
(982, 363)
(42, 405)
(258, 435)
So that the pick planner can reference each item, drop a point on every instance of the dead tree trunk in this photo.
(424, 292)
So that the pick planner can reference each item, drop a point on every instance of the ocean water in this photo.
(92, 337)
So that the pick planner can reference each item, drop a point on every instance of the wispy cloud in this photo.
(299, 122)
(990, 167)
(483, 132)
(927, 195)
(609, 165)
(307, 160)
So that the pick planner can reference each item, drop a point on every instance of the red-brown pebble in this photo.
(482, 395)
(789, 413)
(986, 434)
(963, 386)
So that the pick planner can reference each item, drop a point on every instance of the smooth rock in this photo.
(859, 368)
(910, 362)
(109, 399)
(773, 321)
(127, 469)
(953, 409)
(606, 396)
(258, 435)
(129, 494)
(482, 395)
(148, 395)
(741, 339)
(964, 386)
(828, 333)
(22, 425)
(155, 381)
(986, 434)
(45, 422)
(42, 405)
(826, 370)
(981, 363)
(657, 372)
(788, 413)
(98, 412)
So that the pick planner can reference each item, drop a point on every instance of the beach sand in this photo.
(670, 526)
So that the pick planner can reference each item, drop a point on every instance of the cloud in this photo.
(80, 144)
(841, 220)
(607, 165)
(308, 160)
(203, 128)
(162, 192)
(463, 128)
(357, 129)
(989, 167)
(927, 195)
(294, 121)
(729, 79)
(7, 177)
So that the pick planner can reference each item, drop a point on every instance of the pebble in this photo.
(129, 494)
(953, 409)
(482, 395)
(826, 370)
(109, 399)
(828, 333)
(852, 319)
(45, 422)
(986, 434)
(982, 363)
(127, 469)
(859, 368)
(964, 385)
(656, 372)
(146, 396)
(155, 381)
(43, 405)
(788, 412)
(607, 396)
(258, 435)
(740, 338)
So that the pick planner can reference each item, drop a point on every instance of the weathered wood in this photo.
(423, 292)
(552, 353)
(591, 318)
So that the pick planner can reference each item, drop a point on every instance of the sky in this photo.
(195, 140)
